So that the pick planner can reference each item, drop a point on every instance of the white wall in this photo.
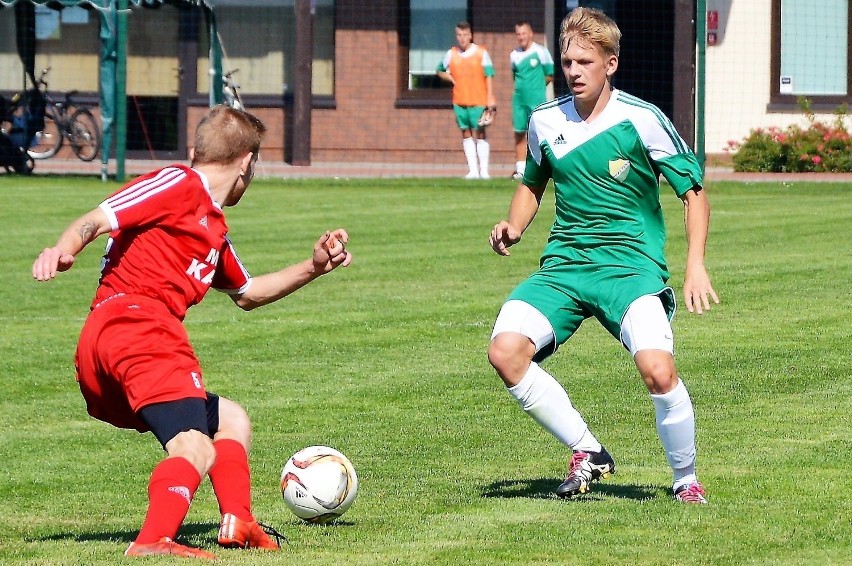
(738, 75)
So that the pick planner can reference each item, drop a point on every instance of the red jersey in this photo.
(168, 242)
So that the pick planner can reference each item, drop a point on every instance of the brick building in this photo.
(375, 98)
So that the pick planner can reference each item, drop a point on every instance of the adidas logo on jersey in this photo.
(560, 139)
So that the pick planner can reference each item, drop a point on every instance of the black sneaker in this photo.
(585, 468)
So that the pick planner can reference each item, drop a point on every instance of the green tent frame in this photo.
(113, 63)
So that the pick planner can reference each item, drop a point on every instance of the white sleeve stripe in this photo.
(147, 194)
(239, 261)
(676, 141)
(241, 291)
(247, 275)
(113, 221)
(135, 193)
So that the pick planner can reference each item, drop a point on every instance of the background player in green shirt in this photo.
(604, 150)
(532, 71)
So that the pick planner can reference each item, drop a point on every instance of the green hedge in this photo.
(819, 147)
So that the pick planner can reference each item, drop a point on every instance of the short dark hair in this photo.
(464, 24)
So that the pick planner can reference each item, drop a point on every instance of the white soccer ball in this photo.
(318, 484)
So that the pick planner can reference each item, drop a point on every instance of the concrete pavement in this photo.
(278, 169)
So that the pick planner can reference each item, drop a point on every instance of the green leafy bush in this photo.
(819, 147)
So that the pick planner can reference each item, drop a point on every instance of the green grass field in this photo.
(386, 362)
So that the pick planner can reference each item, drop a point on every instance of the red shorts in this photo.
(133, 352)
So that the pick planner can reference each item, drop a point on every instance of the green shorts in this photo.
(521, 111)
(467, 117)
(569, 294)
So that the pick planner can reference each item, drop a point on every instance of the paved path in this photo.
(277, 169)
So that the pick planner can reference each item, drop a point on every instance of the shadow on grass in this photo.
(194, 531)
(186, 531)
(543, 488)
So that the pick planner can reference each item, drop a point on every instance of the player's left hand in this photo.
(330, 251)
(488, 116)
(697, 290)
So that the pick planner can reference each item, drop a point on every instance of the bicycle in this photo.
(79, 127)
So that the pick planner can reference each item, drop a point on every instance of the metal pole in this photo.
(121, 90)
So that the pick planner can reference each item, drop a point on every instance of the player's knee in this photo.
(234, 423)
(510, 355)
(195, 447)
(658, 371)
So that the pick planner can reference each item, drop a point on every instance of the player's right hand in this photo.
(503, 236)
(51, 261)
(330, 251)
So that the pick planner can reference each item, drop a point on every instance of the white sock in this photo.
(483, 150)
(676, 428)
(520, 166)
(469, 145)
(545, 400)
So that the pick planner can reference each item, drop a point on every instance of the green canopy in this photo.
(113, 59)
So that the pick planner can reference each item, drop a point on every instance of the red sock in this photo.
(231, 479)
(170, 490)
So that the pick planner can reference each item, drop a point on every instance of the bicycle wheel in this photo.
(84, 134)
(48, 141)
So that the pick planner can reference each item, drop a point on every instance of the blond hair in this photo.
(226, 134)
(592, 26)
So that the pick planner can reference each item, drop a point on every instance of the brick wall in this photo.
(365, 124)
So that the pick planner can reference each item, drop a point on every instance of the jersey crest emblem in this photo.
(618, 169)
(533, 63)
(203, 222)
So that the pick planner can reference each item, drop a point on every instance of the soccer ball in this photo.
(318, 484)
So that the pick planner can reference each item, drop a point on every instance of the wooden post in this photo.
(301, 118)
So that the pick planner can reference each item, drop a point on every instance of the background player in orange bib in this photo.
(470, 70)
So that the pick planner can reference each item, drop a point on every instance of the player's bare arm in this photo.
(329, 253)
(447, 77)
(489, 93)
(697, 289)
(522, 210)
(76, 236)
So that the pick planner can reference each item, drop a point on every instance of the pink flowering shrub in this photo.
(819, 147)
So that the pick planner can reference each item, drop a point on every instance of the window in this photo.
(426, 31)
(259, 39)
(811, 52)
(65, 40)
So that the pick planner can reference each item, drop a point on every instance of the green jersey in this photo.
(529, 68)
(606, 175)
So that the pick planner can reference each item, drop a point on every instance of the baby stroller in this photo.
(20, 120)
